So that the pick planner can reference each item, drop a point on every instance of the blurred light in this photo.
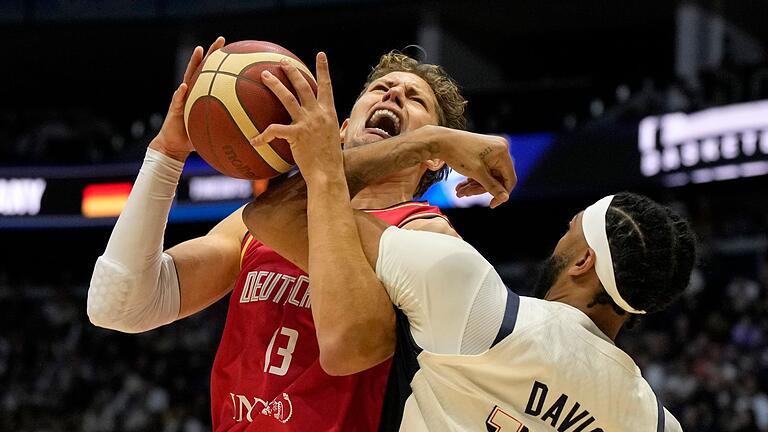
(678, 127)
(105, 200)
(155, 121)
(622, 93)
(712, 136)
(138, 129)
(596, 107)
(21, 196)
(218, 188)
(749, 143)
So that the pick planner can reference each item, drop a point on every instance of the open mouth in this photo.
(385, 122)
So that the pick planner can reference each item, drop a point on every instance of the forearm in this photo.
(134, 285)
(278, 218)
(352, 312)
(365, 165)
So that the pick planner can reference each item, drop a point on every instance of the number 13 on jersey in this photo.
(284, 352)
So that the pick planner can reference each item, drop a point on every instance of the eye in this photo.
(379, 86)
(420, 101)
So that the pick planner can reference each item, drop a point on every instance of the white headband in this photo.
(593, 224)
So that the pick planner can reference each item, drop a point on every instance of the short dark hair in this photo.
(450, 102)
(653, 251)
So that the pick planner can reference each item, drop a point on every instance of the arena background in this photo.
(658, 97)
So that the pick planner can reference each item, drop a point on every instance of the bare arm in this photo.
(353, 315)
(208, 266)
(135, 286)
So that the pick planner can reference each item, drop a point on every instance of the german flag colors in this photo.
(105, 200)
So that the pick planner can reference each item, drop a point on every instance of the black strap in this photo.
(510, 317)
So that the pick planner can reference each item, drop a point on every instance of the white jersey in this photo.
(490, 360)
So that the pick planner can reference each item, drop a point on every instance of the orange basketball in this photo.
(228, 104)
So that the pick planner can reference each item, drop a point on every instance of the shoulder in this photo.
(231, 228)
(433, 224)
(403, 214)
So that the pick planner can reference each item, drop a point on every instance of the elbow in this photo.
(348, 354)
(99, 319)
(101, 315)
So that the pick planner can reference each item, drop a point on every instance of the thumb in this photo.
(178, 99)
(271, 132)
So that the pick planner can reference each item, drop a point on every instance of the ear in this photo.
(434, 164)
(343, 129)
(584, 263)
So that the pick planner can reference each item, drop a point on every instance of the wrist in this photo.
(325, 179)
(430, 141)
(159, 144)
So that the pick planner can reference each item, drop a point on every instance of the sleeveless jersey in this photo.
(267, 374)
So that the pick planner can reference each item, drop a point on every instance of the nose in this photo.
(395, 94)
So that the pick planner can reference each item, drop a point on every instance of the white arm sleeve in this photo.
(453, 298)
(134, 286)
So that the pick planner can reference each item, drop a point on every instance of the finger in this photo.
(324, 88)
(194, 61)
(507, 172)
(464, 183)
(178, 99)
(272, 131)
(283, 94)
(461, 189)
(507, 177)
(300, 84)
(217, 44)
(494, 187)
(471, 190)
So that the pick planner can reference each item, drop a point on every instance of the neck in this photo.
(603, 315)
(389, 191)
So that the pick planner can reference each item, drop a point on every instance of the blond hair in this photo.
(450, 102)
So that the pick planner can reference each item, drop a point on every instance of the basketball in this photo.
(228, 105)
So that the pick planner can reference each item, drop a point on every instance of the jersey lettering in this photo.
(269, 350)
(285, 352)
(552, 415)
(277, 287)
(281, 408)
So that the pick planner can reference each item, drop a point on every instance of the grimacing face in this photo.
(395, 103)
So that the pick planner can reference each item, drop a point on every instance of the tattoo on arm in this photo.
(364, 166)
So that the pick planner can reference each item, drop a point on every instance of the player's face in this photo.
(567, 247)
(393, 104)
(573, 239)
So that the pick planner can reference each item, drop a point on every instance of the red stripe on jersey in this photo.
(267, 374)
(423, 216)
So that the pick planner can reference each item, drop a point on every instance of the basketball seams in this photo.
(213, 78)
(275, 159)
(226, 91)
(250, 80)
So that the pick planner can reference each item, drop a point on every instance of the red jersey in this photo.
(267, 374)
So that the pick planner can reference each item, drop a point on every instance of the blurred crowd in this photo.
(60, 373)
(76, 137)
(706, 357)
